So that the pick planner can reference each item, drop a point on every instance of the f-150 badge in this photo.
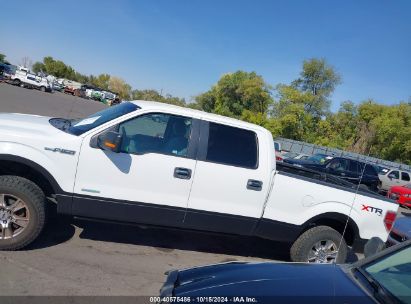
(64, 151)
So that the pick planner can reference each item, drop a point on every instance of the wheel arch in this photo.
(23, 167)
(336, 221)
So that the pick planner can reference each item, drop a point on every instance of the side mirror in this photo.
(110, 141)
(373, 246)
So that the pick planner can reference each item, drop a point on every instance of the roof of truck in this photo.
(153, 105)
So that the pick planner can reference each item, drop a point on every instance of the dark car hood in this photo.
(266, 280)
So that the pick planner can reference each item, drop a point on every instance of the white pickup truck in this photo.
(157, 164)
(25, 79)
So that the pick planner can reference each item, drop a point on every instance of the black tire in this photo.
(364, 187)
(301, 248)
(34, 199)
(16, 82)
(43, 89)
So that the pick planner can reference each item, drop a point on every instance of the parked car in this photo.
(190, 169)
(401, 232)
(348, 169)
(278, 153)
(295, 155)
(318, 158)
(28, 80)
(393, 177)
(74, 88)
(58, 86)
(401, 194)
(382, 170)
(383, 277)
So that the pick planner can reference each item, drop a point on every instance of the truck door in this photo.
(232, 179)
(149, 181)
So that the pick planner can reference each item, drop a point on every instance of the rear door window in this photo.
(354, 168)
(405, 176)
(232, 146)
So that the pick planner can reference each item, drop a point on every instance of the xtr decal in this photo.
(372, 209)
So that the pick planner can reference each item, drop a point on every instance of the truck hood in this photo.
(264, 280)
(27, 125)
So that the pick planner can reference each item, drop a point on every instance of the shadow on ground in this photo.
(167, 240)
(61, 229)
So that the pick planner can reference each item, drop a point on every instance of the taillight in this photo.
(279, 158)
(389, 219)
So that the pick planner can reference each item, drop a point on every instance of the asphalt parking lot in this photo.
(77, 257)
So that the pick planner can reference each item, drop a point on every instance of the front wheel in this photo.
(320, 244)
(22, 212)
(43, 89)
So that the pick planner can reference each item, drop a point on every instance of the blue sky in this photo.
(182, 47)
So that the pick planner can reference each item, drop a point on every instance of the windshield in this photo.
(78, 127)
(290, 154)
(393, 273)
(319, 158)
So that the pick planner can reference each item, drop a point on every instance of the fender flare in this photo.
(334, 216)
(34, 166)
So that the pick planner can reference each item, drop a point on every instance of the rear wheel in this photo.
(16, 82)
(43, 89)
(364, 187)
(319, 245)
(22, 212)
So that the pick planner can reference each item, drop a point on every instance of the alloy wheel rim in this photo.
(14, 216)
(324, 251)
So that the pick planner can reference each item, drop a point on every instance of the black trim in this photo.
(219, 222)
(277, 231)
(34, 166)
(126, 211)
(170, 216)
(292, 171)
(203, 142)
(64, 203)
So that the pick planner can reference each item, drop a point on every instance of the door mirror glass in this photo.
(110, 141)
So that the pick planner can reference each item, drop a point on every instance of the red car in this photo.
(402, 194)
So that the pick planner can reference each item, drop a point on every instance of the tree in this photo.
(153, 95)
(119, 86)
(235, 93)
(101, 81)
(319, 79)
(3, 59)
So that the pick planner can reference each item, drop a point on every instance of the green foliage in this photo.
(318, 79)
(153, 95)
(2, 58)
(235, 93)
